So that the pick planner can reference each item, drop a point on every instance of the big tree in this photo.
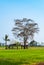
(25, 28)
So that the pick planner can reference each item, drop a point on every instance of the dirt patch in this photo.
(41, 63)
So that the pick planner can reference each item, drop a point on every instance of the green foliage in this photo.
(6, 38)
(21, 57)
(33, 43)
(17, 43)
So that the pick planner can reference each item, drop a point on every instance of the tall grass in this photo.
(21, 56)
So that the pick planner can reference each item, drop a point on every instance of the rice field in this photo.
(21, 56)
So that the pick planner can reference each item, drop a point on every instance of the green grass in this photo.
(21, 56)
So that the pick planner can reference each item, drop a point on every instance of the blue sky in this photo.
(13, 9)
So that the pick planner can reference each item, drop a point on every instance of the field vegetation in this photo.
(21, 56)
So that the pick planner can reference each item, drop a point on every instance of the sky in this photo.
(18, 9)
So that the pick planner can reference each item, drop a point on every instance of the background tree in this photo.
(33, 43)
(25, 28)
(6, 39)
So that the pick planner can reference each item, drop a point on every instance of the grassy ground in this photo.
(21, 57)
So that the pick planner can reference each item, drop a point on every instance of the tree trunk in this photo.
(5, 44)
(24, 46)
(25, 43)
(17, 45)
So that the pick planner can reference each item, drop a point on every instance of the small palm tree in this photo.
(6, 39)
